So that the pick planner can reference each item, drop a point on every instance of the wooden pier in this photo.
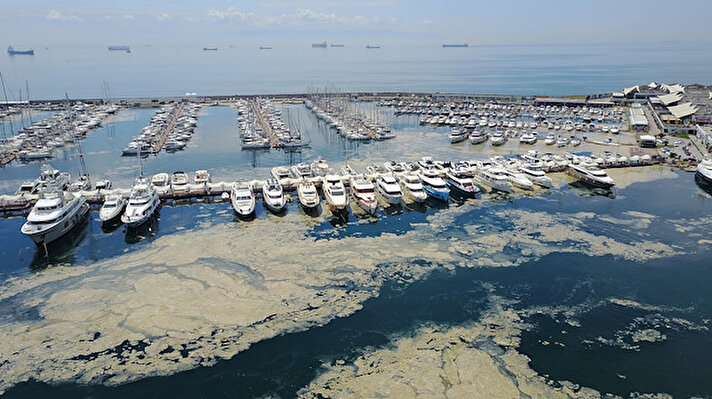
(168, 129)
(266, 127)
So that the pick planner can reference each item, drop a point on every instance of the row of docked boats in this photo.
(453, 110)
(350, 121)
(260, 119)
(40, 139)
(173, 124)
(499, 137)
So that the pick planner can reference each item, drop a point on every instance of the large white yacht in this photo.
(143, 202)
(335, 192)
(364, 194)
(494, 178)
(462, 183)
(387, 186)
(242, 197)
(273, 195)
(179, 182)
(591, 175)
(302, 169)
(280, 172)
(433, 185)
(477, 137)
(413, 188)
(534, 172)
(704, 170)
(54, 214)
(498, 138)
(528, 138)
(518, 179)
(112, 208)
(308, 197)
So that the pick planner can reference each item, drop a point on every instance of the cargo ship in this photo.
(120, 48)
(12, 51)
(456, 45)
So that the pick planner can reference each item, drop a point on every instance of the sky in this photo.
(221, 22)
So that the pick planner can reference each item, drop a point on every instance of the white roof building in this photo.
(683, 110)
(669, 99)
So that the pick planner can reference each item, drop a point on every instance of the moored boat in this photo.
(242, 198)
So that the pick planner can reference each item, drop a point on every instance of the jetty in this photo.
(262, 122)
(167, 128)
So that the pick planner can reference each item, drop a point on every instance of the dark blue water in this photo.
(175, 70)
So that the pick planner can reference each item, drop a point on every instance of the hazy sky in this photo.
(214, 22)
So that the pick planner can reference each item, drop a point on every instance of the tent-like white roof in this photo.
(629, 90)
(653, 85)
(683, 110)
(668, 99)
(711, 95)
(674, 88)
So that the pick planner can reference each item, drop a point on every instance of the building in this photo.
(647, 141)
(704, 134)
(638, 120)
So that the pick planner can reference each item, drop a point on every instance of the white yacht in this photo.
(280, 172)
(457, 180)
(143, 202)
(433, 185)
(387, 186)
(498, 138)
(347, 170)
(112, 208)
(704, 170)
(54, 214)
(364, 194)
(161, 180)
(413, 188)
(202, 177)
(550, 139)
(534, 172)
(335, 192)
(320, 167)
(518, 179)
(179, 182)
(494, 178)
(397, 168)
(302, 169)
(562, 141)
(591, 175)
(528, 138)
(458, 135)
(308, 197)
(273, 195)
(242, 197)
(477, 137)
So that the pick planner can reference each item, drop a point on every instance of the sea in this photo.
(564, 290)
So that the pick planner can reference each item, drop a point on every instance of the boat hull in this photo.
(440, 195)
(57, 231)
(704, 177)
(136, 221)
(589, 181)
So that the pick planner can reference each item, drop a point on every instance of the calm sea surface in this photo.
(79, 71)
(572, 299)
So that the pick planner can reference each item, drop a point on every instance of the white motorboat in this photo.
(562, 141)
(478, 137)
(112, 208)
(704, 170)
(280, 172)
(301, 170)
(103, 184)
(83, 184)
(459, 181)
(143, 202)
(308, 197)
(161, 180)
(518, 179)
(494, 178)
(498, 138)
(347, 170)
(242, 198)
(550, 139)
(534, 172)
(202, 177)
(273, 195)
(433, 185)
(387, 186)
(335, 192)
(179, 182)
(528, 138)
(458, 135)
(591, 175)
(413, 188)
(364, 193)
(397, 168)
(54, 214)
(320, 167)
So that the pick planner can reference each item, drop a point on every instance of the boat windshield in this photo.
(109, 205)
(337, 192)
(467, 184)
(365, 191)
(244, 198)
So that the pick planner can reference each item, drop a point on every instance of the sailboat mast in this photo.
(7, 104)
(29, 106)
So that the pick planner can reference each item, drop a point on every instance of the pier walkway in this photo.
(163, 137)
(265, 125)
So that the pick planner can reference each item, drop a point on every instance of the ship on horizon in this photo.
(265, 47)
(372, 46)
(336, 45)
(319, 45)
(455, 45)
(210, 49)
(12, 51)
(120, 48)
